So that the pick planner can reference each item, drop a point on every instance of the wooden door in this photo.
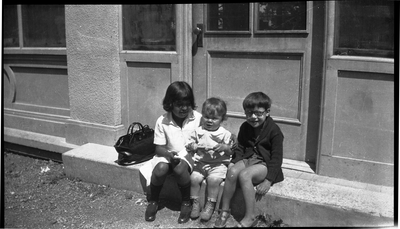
(357, 138)
(265, 47)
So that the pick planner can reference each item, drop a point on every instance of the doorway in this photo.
(246, 47)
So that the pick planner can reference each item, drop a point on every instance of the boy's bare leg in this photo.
(230, 184)
(247, 177)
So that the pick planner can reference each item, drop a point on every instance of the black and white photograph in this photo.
(200, 115)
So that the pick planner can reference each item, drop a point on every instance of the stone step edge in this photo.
(107, 155)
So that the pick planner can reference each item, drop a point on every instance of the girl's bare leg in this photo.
(247, 178)
(182, 174)
(160, 173)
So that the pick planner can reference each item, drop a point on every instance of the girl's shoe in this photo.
(151, 211)
(222, 218)
(186, 208)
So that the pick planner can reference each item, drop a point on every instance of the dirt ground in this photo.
(37, 194)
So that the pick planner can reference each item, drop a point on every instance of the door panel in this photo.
(257, 74)
(259, 52)
(358, 118)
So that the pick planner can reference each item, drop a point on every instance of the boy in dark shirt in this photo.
(257, 159)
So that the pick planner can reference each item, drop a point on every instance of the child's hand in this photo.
(262, 189)
(191, 146)
(170, 154)
(174, 159)
(221, 148)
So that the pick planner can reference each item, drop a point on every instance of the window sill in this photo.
(361, 58)
(39, 51)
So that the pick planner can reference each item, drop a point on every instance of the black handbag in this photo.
(136, 146)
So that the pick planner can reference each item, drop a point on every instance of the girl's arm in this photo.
(163, 152)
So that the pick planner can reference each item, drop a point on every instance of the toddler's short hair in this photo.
(214, 106)
(178, 91)
(257, 99)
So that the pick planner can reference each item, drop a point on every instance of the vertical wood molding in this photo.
(184, 40)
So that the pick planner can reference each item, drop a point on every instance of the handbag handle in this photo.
(130, 129)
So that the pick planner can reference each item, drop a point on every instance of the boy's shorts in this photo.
(253, 160)
(210, 170)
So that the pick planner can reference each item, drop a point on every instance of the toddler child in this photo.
(211, 147)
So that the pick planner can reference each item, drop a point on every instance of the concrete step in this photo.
(35, 144)
(302, 199)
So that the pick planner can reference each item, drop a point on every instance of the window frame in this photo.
(253, 24)
(31, 50)
(214, 32)
(277, 32)
(366, 53)
(176, 15)
(330, 34)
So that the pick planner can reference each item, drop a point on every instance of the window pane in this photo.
(228, 17)
(365, 28)
(43, 25)
(10, 29)
(282, 15)
(149, 27)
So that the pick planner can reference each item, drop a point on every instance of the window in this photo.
(149, 27)
(269, 17)
(10, 23)
(42, 26)
(364, 28)
(228, 17)
(281, 16)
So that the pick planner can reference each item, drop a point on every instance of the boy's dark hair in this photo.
(257, 99)
(178, 91)
(214, 106)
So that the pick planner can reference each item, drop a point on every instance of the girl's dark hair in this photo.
(257, 99)
(214, 106)
(178, 91)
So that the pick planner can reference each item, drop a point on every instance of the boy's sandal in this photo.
(252, 225)
(222, 219)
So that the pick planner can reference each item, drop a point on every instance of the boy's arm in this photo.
(233, 141)
(225, 147)
(275, 164)
(238, 149)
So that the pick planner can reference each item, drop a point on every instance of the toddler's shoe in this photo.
(208, 211)
(195, 209)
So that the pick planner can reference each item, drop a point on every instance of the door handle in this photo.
(198, 31)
